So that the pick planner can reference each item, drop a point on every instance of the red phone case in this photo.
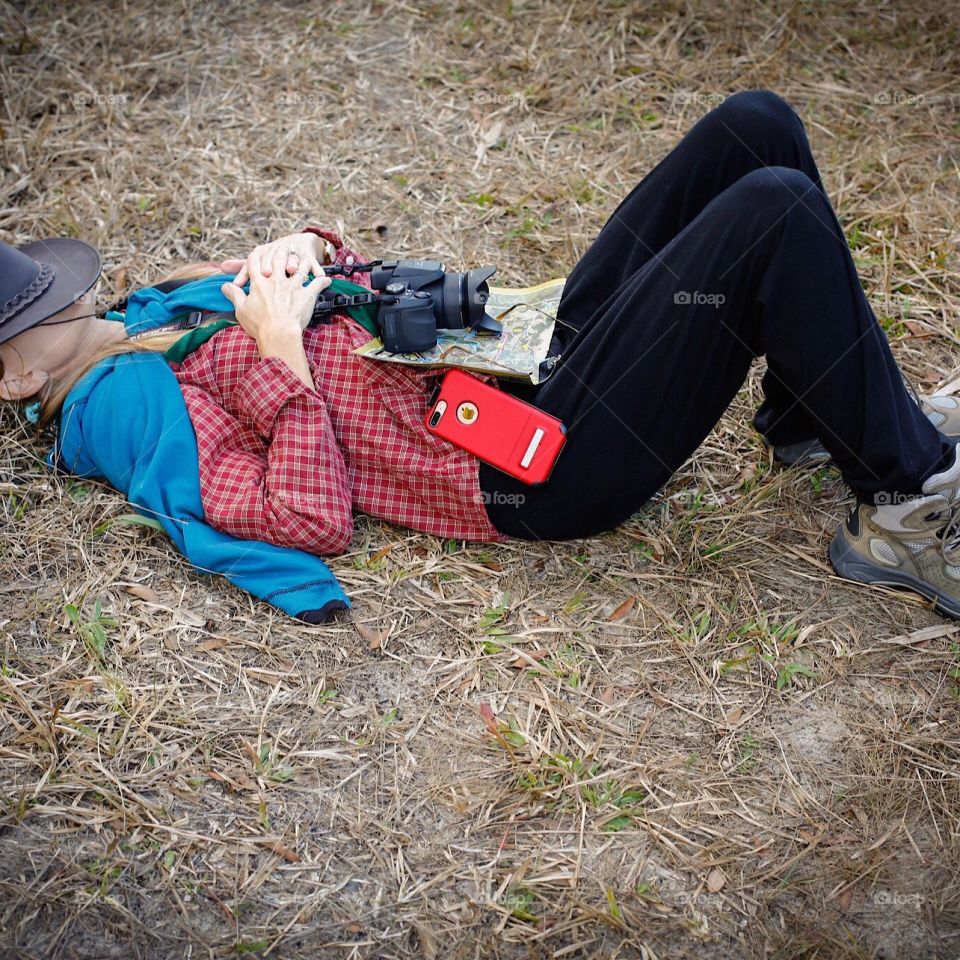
(494, 426)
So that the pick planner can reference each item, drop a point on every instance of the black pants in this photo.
(726, 250)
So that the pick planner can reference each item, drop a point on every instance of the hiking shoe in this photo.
(907, 541)
(942, 412)
(803, 452)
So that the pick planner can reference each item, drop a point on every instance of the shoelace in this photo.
(949, 535)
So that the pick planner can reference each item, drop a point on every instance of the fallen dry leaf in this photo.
(280, 849)
(916, 329)
(143, 592)
(529, 658)
(213, 644)
(839, 840)
(489, 717)
(716, 880)
(382, 552)
(622, 610)
(373, 636)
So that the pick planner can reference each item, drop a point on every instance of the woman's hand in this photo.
(277, 310)
(299, 253)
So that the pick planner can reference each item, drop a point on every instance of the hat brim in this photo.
(76, 267)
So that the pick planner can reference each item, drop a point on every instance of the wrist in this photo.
(287, 346)
(279, 338)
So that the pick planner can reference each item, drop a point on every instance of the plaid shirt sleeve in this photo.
(297, 496)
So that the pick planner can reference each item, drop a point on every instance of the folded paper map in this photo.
(528, 315)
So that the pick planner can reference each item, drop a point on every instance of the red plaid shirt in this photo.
(286, 464)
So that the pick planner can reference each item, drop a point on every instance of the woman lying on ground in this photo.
(728, 249)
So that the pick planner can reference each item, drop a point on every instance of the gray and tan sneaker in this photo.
(942, 412)
(910, 541)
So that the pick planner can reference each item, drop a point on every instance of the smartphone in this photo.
(495, 427)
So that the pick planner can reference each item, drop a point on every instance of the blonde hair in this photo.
(55, 391)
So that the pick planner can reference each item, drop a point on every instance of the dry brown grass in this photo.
(575, 750)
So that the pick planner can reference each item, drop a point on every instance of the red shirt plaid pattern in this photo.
(282, 463)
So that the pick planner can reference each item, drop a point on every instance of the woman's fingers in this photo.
(233, 293)
(318, 284)
(255, 270)
(293, 264)
(243, 309)
(261, 263)
(244, 275)
(256, 262)
(231, 266)
(299, 253)
(314, 288)
(306, 297)
(277, 262)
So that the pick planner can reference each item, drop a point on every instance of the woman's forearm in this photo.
(287, 345)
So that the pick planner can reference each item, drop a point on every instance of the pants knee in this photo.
(777, 189)
(757, 116)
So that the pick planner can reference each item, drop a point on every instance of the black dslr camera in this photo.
(416, 299)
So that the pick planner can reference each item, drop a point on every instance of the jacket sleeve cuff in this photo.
(323, 614)
(263, 392)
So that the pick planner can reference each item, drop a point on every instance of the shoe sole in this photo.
(852, 566)
(800, 454)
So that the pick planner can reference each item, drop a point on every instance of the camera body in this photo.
(416, 298)
(406, 320)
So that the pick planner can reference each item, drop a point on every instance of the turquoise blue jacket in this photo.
(127, 423)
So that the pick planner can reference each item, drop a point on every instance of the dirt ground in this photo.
(686, 738)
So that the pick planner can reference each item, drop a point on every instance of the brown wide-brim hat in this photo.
(42, 278)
